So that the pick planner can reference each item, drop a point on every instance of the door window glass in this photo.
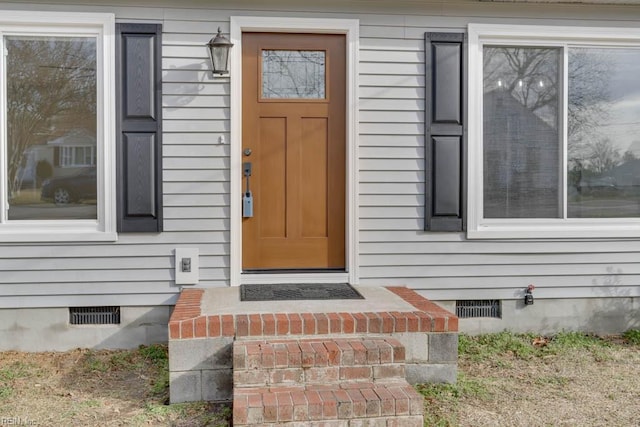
(293, 74)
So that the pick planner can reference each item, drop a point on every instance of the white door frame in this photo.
(349, 27)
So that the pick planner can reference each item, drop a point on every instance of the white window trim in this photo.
(523, 35)
(349, 27)
(102, 27)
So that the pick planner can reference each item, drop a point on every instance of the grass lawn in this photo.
(504, 379)
(570, 379)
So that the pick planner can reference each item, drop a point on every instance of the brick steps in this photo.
(316, 361)
(323, 381)
(202, 334)
(348, 404)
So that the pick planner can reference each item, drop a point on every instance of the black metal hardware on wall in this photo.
(528, 295)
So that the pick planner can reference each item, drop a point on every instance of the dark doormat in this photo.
(284, 292)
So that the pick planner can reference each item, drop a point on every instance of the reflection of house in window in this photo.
(66, 154)
(634, 148)
(626, 175)
(521, 160)
(77, 156)
(77, 149)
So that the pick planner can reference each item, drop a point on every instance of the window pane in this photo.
(291, 74)
(51, 109)
(521, 143)
(604, 133)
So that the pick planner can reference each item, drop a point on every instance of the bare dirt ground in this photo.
(95, 388)
(504, 380)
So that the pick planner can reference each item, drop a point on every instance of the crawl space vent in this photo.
(94, 315)
(478, 308)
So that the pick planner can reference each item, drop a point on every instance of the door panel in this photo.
(313, 166)
(294, 124)
(271, 186)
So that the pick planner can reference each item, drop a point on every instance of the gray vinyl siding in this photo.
(393, 249)
(446, 266)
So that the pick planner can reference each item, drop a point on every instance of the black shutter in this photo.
(139, 127)
(445, 131)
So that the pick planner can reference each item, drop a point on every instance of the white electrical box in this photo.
(187, 266)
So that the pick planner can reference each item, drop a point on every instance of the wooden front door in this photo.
(293, 134)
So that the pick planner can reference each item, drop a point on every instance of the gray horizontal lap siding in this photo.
(138, 269)
(446, 266)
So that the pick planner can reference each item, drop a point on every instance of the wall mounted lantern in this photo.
(219, 48)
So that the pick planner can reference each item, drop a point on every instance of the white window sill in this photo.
(55, 232)
(547, 230)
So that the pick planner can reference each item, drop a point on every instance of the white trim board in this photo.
(349, 27)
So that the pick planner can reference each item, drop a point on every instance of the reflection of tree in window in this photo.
(51, 90)
(293, 74)
(595, 90)
(521, 132)
(601, 161)
(522, 85)
(530, 75)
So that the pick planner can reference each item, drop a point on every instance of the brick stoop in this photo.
(187, 321)
(393, 336)
(335, 382)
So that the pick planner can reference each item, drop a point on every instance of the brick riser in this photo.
(351, 404)
(188, 322)
(316, 361)
(323, 382)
